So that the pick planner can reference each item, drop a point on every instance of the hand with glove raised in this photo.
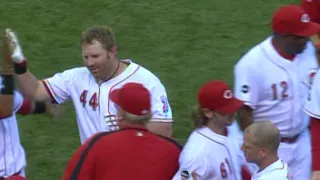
(20, 62)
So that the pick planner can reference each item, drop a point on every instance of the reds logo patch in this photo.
(165, 104)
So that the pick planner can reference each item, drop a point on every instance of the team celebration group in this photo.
(125, 120)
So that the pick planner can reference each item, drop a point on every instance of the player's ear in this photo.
(263, 152)
(208, 113)
(112, 53)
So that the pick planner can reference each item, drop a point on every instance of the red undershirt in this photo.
(282, 54)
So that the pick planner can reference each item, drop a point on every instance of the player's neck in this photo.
(118, 68)
(281, 50)
(122, 67)
(266, 162)
(125, 124)
(221, 130)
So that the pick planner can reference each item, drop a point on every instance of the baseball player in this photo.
(312, 7)
(273, 79)
(209, 153)
(12, 156)
(260, 145)
(312, 108)
(89, 87)
(131, 152)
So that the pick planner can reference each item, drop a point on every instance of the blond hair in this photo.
(265, 134)
(198, 117)
(102, 34)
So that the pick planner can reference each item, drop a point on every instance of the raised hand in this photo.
(14, 47)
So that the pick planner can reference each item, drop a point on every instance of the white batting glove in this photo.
(15, 47)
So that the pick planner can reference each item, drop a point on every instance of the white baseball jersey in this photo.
(94, 109)
(312, 106)
(12, 154)
(274, 87)
(278, 170)
(210, 156)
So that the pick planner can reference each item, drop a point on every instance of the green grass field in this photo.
(184, 42)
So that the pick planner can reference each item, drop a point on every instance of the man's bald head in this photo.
(265, 135)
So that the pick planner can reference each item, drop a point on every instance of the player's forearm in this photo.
(245, 117)
(161, 128)
(28, 85)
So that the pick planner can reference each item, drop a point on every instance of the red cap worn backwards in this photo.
(133, 98)
(217, 96)
(292, 19)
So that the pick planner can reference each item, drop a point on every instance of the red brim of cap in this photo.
(114, 96)
(312, 29)
(233, 106)
(16, 178)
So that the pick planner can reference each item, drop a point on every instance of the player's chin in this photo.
(301, 49)
(229, 123)
(231, 120)
(95, 73)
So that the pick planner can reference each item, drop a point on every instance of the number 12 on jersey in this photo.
(283, 86)
(93, 102)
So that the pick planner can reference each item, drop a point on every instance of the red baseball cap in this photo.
(134, 98)
(217, 95)
(292, 19)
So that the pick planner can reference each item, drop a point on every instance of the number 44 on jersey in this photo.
(93, 101)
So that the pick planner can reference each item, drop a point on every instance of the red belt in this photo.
(290, 140)
(16, 174)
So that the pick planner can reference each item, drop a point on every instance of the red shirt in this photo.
(130, 153)
(315, 143)
(312, 7)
